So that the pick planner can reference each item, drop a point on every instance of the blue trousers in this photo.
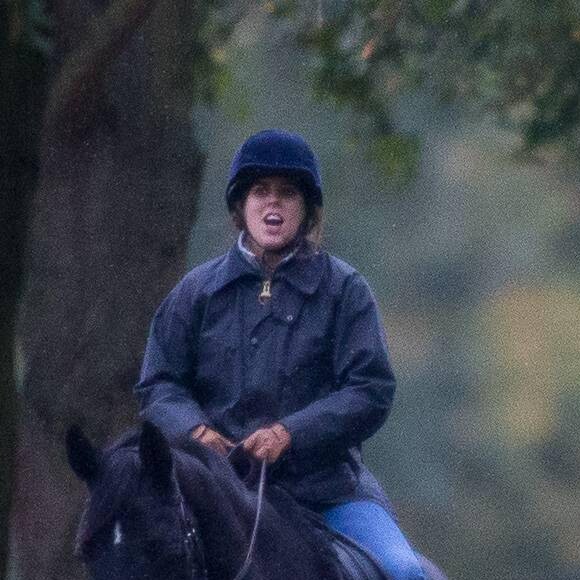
(370, 525)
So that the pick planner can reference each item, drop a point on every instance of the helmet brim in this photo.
(249, 174)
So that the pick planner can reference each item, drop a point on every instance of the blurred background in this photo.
(448, 137)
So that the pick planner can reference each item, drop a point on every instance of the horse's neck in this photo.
(224, 514)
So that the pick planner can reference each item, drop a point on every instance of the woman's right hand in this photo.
(212, 439)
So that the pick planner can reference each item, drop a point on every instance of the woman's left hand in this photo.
(269, 443)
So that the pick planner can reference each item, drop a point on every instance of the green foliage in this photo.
(25, 43)
(518, 58)
(436, 11)
(209, 67)
(522, 59)
(340, 75)
(283, 8)
(232, 96)
(29, 26)
(396, 155)
(347, 60)
(39, 27)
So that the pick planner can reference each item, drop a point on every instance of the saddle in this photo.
(356, 562)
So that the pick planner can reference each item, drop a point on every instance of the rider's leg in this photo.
(371, 526)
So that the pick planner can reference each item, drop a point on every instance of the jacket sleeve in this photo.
(165, 390)
(364, 380)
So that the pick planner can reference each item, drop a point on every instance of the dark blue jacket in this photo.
(314, 358)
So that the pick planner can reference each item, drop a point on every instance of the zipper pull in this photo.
(266, 292)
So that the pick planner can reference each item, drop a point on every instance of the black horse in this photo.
(160, 513)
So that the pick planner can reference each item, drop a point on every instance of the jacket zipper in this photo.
(266, 292)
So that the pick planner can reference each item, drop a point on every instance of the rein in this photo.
(192, 541)
(248, 561)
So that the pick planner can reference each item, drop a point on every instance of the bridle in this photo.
(194, 552)
(192, 543)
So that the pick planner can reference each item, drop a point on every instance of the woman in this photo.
(280, 345)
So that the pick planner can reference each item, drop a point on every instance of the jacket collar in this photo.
(302, 271)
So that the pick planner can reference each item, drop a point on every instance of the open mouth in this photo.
(273, 219)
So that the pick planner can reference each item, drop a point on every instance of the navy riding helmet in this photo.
(274, 152)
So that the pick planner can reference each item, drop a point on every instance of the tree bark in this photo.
(22, 88)
(112, 216)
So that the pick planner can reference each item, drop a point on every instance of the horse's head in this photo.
(136, 525)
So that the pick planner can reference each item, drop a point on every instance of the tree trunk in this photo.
(22, 84)
(112, 216)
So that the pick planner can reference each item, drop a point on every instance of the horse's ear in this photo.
(156, 461)
(84, 459)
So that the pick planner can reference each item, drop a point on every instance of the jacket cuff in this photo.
(299, 439)
(177, 425)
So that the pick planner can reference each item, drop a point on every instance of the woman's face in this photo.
(274, 210)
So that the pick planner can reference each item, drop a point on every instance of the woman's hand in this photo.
(212, 439)
(269, 443)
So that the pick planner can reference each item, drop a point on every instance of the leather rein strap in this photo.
(248, 561)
